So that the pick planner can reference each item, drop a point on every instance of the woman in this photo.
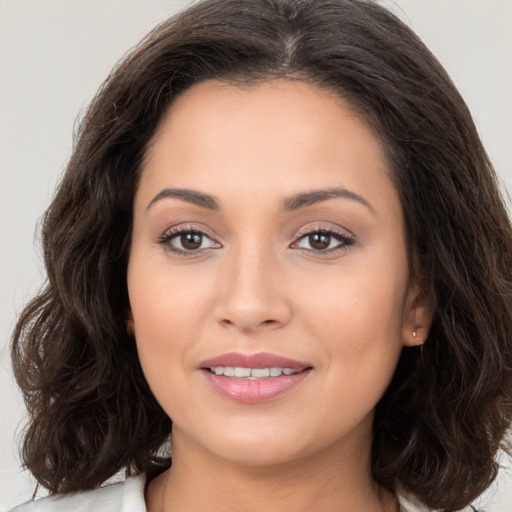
(280, 230)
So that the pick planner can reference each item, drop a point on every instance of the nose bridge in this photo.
(251, 295)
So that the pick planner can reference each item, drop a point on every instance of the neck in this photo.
(337, 480)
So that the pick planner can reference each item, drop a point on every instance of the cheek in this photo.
(350, 300)
(357, 317)
(163, 300)
(155, 306)
(171, 308)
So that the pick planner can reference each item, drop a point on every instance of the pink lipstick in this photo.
(253, 378)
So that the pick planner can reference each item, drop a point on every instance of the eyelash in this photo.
(345, 240)
(174, 233)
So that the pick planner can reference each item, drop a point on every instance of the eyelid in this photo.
(346, 238)
(174, 231)
(324, 228)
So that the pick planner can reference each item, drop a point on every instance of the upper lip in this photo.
(258, 360)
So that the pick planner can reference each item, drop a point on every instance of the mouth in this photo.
(239, 372)
(253, 378)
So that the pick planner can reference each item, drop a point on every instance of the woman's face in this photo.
(268, 278)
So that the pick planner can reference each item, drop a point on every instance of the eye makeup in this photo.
(189, 240)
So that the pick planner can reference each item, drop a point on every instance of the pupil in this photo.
(191, 241)
(319, 241)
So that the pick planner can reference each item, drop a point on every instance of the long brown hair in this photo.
(439, 425)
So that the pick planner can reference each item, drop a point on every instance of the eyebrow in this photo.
(189, 196)
(293, 203)
(316, 196)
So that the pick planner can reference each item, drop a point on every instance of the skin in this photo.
(257, 284)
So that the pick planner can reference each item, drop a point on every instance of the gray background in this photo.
(55, 53)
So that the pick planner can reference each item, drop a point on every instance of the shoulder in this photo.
(409, 503)
(127, 496)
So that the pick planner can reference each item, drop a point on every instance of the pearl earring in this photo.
(415, 333)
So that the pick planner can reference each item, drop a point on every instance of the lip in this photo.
(258, 360)
(245, 390)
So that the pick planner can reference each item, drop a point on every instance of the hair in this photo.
(448, 408)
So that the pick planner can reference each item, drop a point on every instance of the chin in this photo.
(257, 446)
(259, 456)
(261, 446)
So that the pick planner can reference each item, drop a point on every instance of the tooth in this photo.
(242, 372)
(251, 373)
(229, 371)
(260, 372)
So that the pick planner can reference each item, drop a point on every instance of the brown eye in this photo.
(191, 241)
(323, 241)
(187, 242)
(319, 241)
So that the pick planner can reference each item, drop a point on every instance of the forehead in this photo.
(289, 111)
(278, 136)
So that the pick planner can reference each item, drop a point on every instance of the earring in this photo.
(415, 333)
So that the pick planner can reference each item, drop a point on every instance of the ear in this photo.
(130, 323)
(418, 313)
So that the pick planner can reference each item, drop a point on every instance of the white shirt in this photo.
(128, 496)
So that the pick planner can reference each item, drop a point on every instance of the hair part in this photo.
(445, 414)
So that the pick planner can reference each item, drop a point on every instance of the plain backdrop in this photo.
(53, 56)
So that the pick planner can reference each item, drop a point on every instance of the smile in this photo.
(239, 372)
(253, 378)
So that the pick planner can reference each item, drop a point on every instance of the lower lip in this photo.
(253, 391)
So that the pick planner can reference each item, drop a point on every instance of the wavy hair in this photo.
(446, 412)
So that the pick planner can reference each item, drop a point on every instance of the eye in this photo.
(323, 240)
(187, 241)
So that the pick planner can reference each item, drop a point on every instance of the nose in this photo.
(252, 293)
